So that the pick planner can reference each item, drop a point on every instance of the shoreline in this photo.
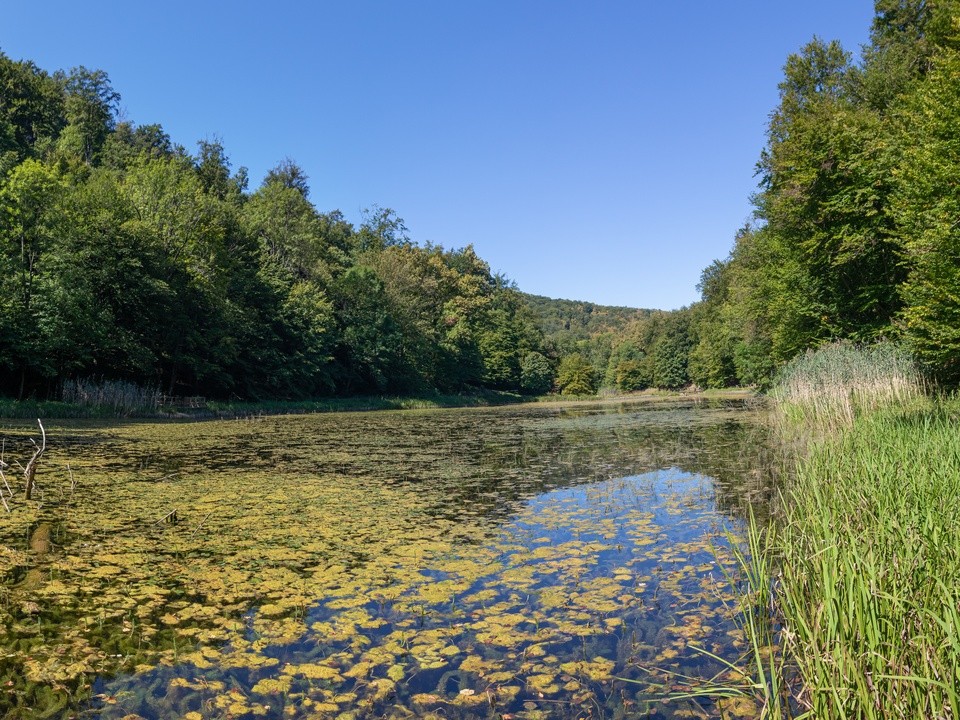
(14, 410)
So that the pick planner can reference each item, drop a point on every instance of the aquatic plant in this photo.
(455, 563)
(828, 387)
(866, 593)
(118, 396)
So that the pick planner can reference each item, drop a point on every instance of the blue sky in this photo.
(598, 151)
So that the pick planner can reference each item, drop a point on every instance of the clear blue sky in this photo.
(598, 151)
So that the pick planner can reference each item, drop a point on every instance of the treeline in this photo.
(857, 232)
(124, 257)
(610, 348)
(127, 258)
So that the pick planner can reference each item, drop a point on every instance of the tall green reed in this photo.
(825, 389)
(869, 563)
(866, 544)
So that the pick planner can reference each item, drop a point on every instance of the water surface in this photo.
(529, 562)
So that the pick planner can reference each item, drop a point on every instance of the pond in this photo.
(567, 561)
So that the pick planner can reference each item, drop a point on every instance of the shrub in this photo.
(576, 376)
(536, 374)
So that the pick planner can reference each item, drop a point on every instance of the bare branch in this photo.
(201, 524)
(170, 517)
(30, 471)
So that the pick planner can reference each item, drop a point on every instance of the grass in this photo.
(827, 388)
(108, 400)
(105, 404)
(866, 548)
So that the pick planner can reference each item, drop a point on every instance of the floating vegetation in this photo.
(524, 562)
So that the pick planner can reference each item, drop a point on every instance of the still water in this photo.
(526, 562)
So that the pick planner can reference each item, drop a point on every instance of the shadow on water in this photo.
(529, 562)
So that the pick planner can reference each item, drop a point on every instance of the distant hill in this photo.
(577, 320)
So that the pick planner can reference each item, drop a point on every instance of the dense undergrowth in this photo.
(864, 591)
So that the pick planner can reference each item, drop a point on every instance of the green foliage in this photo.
(578, 320)
(308, 317)
(628, 367)
(711, 362)
(31, 111)
(29, 199)
(369, 348)
(90, 107)
(536, 374)
(381, 228)
(927, 207)
(507, 336)
(855, 209)
(631, 375)
(576, 376)
(123, 257)
(827, 186)
(671, 351)
(570, 326)
(130, 145)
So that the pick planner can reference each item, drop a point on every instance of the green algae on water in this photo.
(473, 563)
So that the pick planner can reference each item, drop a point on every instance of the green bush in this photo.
(536, 374)
(576, 376)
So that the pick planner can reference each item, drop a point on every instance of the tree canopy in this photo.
(125, 256)
(856, 234)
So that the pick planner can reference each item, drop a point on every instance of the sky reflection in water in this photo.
(530, 563)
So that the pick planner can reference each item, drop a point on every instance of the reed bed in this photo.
(866, 550)
(117, 396)
(827, 388)
(869, 570)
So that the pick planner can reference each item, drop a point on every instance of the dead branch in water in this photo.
(201, 524)
(30, 471)
(6, 485)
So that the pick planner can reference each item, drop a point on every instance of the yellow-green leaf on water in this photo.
(272, 685)
(544, 683)
(313, 671)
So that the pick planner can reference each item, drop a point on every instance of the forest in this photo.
(856, 235)
(124, 256)
(127, 258)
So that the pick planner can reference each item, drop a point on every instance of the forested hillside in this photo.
(857, 229)
(126, 257)
(575, 320)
